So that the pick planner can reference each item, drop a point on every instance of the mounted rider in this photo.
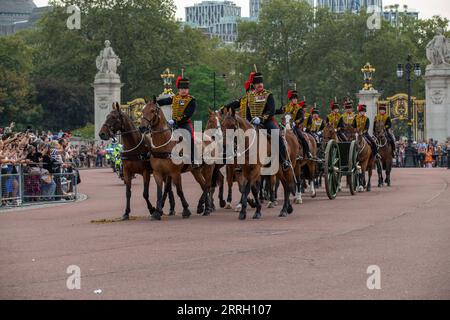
(386, 119)
(335, 119)
(261, 111)
(295, 109)
(316, 124)
(348, 115)
(362, 125)
(183, 108)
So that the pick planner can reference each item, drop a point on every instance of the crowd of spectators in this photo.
(427, 154)
(45, 160)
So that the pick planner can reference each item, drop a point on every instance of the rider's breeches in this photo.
(270, 125)
(301, 135)
(188, 126)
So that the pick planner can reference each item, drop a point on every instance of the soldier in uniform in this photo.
(183, 108)
(261, 111)
(384, 117)
(295, 109)
(348, 115)
(316, 124)
(362, 125)
(335, 119)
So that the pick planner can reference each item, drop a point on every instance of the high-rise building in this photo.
(13, 12)
(339, 6)
(215, 18)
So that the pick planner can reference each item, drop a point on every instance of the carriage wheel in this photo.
(353, 168)
(332, 168)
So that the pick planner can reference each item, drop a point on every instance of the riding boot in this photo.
(285, 164)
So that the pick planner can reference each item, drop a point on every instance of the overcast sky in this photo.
(426, 8)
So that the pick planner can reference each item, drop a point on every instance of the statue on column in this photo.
(438, 49)
(107, 62)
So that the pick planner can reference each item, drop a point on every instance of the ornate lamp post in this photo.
(409, 68)
(167, 77)
(368, 72)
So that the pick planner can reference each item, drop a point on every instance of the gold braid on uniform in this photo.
(179, 104)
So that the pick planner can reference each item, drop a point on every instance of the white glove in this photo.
(335, 130)
(304, 129)
(256, 121)
(171, 122)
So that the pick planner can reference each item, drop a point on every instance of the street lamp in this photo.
(409, 67)
(368, 72)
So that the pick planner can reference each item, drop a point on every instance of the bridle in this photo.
(154, 122)
(114, 132)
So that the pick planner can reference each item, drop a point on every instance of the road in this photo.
(322, 251)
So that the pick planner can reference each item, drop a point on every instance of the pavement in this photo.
(322, 251)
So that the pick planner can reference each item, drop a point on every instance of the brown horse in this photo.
(385, 150)
(366, 160)
(162, 145)
(135, 154)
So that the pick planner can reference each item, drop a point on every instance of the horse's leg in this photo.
(245, 190)
(380, 173)
(198, 176)
(221, 182)
(146, 194)
(230, 186)
(177, 182)
(369, 186)
(159, 195)
(298, 190)
(255, 189)
(169, 191)
(277, 186)
(127, 178)
(208, 173)
(388, 172)
(284, 210)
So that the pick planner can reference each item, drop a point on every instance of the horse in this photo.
(135, 154)
(385, 150)
(366, 160)
(160, 135)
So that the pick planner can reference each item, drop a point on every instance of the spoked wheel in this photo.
(332, 169)
(353, 168)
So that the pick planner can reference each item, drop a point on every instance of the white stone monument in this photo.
(368, 95)
(106, 85)
(437, 82)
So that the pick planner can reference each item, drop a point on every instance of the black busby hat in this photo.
(382, 106)
(292, 94)
(182, 83)
(362, 108)
(258, 78)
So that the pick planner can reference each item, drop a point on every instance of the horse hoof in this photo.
(270, 205)
(242, 216)
(206, 214)
(200, 210)
(152, 210)
(228, 205)
(156, 216)
(223, 204)
(186, 213)
(125, 217)
(257, 216)
(283, 214)
(275, 202)
(251, 203)
(298, 201)
(171, 213)
(238, 207)
(290, 209)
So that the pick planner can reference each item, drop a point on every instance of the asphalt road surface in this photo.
(322, 251)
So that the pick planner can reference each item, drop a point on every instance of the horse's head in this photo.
(229, 120)
(329, 133)
(113, 123)
(151, 115)
(379, 128)
(214, 120)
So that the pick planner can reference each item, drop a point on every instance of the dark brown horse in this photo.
(366, 160)
(385, 150)
(135, 154)
(162, 144)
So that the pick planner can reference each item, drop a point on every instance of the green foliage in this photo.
(86, 132)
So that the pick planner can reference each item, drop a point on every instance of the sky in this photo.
(426, 8)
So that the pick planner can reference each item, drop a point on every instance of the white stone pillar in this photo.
(369, 98)
(107, 90)
(437, 82)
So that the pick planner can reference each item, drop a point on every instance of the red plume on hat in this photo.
(311, 110)
(290, 94)
(302, 103)
(251, 77)
(178, 81)
(247, 85)
(360, 108)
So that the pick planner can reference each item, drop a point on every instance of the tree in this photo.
(16, 91)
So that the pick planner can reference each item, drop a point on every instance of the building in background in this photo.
(16, 15)
(340, 6)
(393, 14)
(215, 18)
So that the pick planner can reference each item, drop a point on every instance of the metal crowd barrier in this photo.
(22, 187)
